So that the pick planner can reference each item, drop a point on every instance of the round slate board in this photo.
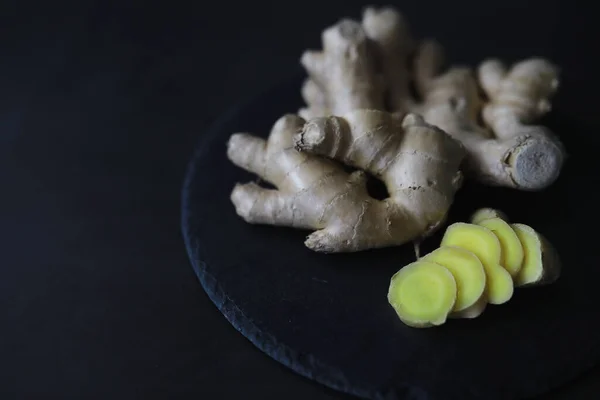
(327, 316)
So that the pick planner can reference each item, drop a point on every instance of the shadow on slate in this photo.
(327, 316)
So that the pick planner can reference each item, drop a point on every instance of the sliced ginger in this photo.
(470, 278)
(487, 213)
(511, 256)
(485, 245)
(476, 264)
(541, 264)
(423, 294)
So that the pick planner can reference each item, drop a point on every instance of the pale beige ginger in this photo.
(517, 98)
(417, 162)
(510, 153)
(504, 150)
(342, 77)
(361, 66)
(389, 33)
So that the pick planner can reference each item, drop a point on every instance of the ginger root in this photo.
(423, 294)
(419, 167)
(533, 156)
(510, 154)
(470, 277)
(417, 162)
(371, 68)
(485, 245)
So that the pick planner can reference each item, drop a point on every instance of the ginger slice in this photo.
(418, 163)
(469, 275)
(487, 213)
(394, 45)
(485, 245)
(511, 256)
(423, 294)
(541, 264)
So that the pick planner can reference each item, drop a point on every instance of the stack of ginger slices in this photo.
(476, 264)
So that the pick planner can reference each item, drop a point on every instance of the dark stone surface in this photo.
(101, 104)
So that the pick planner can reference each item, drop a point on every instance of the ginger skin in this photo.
(507, 152)
(419, 164)
(389, 32)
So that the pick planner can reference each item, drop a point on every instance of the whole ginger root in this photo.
(506, 150)
(417, 162)
(360, 112)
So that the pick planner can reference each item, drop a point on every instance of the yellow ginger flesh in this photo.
(469, 275)
(541, 264)
(537, 260)
(422, 294)
(512, 250)
(487, 213)
(485, 245)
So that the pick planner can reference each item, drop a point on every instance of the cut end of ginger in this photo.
(467, 271)
(511, 249)
(486, 246)
(541, 264)
(423, 294)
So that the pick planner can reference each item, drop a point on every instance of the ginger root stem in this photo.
(368, 65)
(342, 77)
(512, 250)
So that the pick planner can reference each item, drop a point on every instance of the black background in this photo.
(100, 107)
